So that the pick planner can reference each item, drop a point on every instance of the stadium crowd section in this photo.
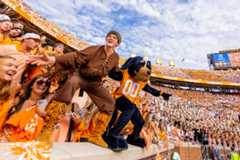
(210, 75)
(197, 117)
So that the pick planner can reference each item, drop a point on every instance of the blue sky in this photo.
(180, 30)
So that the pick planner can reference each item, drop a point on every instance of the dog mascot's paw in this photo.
(136, 141)
(115, 143)
(166, 96)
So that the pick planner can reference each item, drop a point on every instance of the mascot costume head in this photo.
(138, 68)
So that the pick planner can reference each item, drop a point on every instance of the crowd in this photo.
(190, 116)
(211, 75)
(207, 119)
(206, 99)
(25, 89)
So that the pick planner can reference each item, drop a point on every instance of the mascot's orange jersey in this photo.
(130, 88)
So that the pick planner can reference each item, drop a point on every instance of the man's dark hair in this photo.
(116, 34)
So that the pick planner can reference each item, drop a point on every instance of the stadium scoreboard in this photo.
(227, 59)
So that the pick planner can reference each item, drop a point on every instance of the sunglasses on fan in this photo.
(43, 81)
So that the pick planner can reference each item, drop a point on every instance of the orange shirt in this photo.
(130, 88)
(24, 125)
(20, 49)
(4, 108)
(5, 40)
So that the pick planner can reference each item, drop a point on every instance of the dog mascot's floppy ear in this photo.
(127, 63)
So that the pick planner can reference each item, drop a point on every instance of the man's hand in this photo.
(8, 50)
(8, 68)
(76, 118)
(166, 96)
(42, 60)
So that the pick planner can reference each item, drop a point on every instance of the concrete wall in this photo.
(189, 152)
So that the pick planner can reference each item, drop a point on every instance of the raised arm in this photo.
(8, 50)
(67, 61)
(72, 60)
(15, 85)
(156, 92)
(152, 90)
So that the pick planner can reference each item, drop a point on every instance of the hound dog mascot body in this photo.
(134, 77)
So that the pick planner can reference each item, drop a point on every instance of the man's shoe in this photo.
(100, 121)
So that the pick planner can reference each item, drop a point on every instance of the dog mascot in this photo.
(134, 77)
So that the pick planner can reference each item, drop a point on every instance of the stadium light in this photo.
(145, 58)
(171, 63)
(133, 55)
(159, 61)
